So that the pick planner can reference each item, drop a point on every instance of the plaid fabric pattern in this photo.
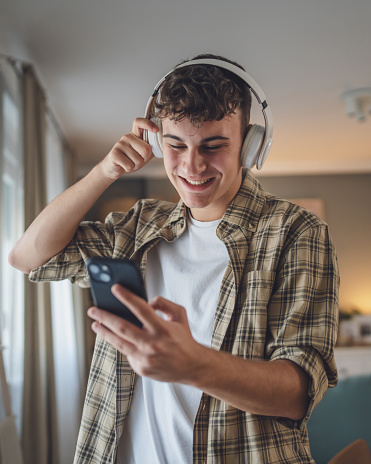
(278, 300)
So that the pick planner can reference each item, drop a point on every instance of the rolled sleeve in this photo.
(312, 363)
(90, 239)
(303, 311)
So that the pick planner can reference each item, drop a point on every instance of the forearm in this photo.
(270, 388)
(56, 225)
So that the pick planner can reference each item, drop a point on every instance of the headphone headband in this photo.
(253, 86)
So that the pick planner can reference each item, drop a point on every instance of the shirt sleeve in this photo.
(91, 239)
(303, 310)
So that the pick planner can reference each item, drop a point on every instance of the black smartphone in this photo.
(105, 272)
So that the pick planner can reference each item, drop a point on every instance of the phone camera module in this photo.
(100, 272)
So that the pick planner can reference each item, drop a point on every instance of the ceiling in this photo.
(99, 61)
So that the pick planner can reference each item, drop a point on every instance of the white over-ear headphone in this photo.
(258, 140)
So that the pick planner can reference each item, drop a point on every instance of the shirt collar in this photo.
(178, 215)
(245, 209)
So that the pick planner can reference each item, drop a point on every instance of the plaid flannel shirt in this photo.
(278, 300)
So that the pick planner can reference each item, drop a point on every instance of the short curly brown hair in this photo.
(203, 93)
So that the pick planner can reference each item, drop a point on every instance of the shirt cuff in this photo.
(322, 375)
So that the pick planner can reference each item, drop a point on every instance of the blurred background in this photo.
(74, 75)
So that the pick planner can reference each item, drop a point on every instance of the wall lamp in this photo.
(357, 102)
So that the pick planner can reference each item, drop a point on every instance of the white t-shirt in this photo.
(189, 272)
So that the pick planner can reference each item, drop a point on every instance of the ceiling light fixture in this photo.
(357, 102)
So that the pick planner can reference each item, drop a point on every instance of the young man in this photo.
(238, 348)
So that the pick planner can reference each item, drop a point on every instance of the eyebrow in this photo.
(209, 139)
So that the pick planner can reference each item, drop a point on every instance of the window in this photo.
(11, 227)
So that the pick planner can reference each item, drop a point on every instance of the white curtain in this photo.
(11, 226)
(68, 382)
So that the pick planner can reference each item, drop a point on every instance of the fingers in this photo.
(109, 326)
(144, 311)
(116, 337)
(140, 124)
(139, 307)
(130, 153)
(148, 317)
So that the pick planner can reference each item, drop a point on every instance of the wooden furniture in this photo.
(355, 453)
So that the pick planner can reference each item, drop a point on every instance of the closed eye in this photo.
(204, 148)
(177, 147)
(214, 147)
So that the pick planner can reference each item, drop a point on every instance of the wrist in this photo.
(101, 176)
(200, 367)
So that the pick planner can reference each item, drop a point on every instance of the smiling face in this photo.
(204, 163)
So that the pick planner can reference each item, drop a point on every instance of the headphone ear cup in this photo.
(154, 139)
(252, 145)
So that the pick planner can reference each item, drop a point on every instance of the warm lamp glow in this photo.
(360, 302)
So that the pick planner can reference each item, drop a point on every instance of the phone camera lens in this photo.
(104, 277)
(94, 269)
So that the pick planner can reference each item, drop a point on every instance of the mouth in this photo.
(197, 183)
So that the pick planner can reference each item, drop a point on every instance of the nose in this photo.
(193, 162)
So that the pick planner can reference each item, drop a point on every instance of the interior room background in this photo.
(44, 329)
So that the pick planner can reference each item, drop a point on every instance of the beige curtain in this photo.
(39, 432)
(85, 338)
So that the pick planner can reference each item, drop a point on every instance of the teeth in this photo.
(197, 182)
